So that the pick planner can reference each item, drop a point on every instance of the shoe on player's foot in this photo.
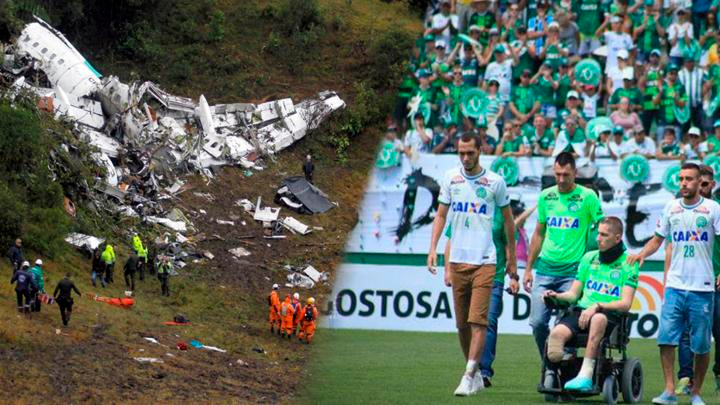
(486, 382)
(465, 389)
(696, 400)
(683, 386)
(665, 399)
(478, 383)
(579, 384)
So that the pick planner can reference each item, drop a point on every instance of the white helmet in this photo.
(38, 262)
(296, 296)
(25, 264)
(276, 287)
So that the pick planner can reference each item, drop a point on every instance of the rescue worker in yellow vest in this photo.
(307, 323)
(142, 255)
(108, 256)
(286, 317)
(163, 272)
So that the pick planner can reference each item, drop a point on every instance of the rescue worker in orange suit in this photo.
(286, 316)
(297, 308)
(307, 324)
(274, 304)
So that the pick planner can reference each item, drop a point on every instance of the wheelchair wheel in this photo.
(610, 390)
(550, 380)
(632, 381)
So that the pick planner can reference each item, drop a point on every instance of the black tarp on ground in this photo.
(300, 190)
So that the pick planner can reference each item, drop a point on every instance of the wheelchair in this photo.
(615, 373)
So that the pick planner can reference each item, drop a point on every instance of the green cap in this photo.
(670, 67)
(617, 129)
(500, 49)
(563, 61)
(429, 37)
(422, 73)
(716, 124)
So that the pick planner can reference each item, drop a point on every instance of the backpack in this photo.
(284, 309)
(309, 314)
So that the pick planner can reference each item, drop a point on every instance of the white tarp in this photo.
(396, 297)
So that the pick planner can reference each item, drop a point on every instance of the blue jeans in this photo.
(687, 309)
(95, 276)
(488, 355)
(685, 356)
(539, 313)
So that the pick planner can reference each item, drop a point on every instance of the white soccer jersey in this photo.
(692, 230)
(471, 205)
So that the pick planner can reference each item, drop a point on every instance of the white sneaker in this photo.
(465, 389)
(478, 383)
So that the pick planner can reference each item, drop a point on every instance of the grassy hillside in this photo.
(250, 53)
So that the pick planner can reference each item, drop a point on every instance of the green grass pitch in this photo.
(383, 367)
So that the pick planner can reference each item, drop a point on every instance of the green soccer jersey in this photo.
(514, 145)
(589, 16)
(485, 20)
(633, 94)
(713, 144)
(523, 97)
(563, 89)
(568, 218)
(651, 89)
(667, 102)
(500, 241)
(603, 283)
(547, 139)
(544, 91)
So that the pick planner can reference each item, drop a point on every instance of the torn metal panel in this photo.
(178, 226)
(111, 191)
(171, 102)
(265, 214)
(206, 120)
(214, 145)
(300, 280)
(295, 226)
(83, 241)
(114, 96)
(312, 272)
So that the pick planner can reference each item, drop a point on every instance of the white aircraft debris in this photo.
(146, 138)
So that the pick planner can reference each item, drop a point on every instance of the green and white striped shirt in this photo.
(693, 82)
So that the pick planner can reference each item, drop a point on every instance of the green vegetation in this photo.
(374, 367)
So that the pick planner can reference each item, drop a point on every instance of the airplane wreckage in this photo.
(146, 138)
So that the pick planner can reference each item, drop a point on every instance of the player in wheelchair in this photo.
(594, 314)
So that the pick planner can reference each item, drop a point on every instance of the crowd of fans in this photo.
(658, 84)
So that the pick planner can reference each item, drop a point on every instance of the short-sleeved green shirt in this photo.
(547, 139)
(713, 144)
(514, 145)
(589, 16)
(603, 283)
(544, 91)
(667, 102)
(633, 94)
(523, 97)
(563, 89)
(568, 218)
(500, 241)
(651, 90)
